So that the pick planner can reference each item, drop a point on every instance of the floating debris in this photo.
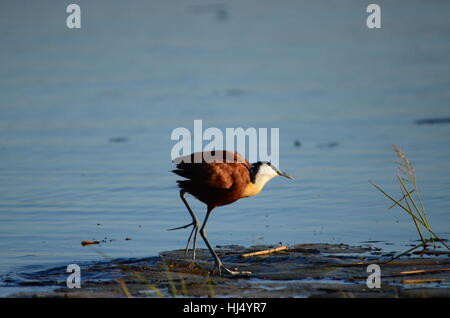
(265, 252)
(423, 281)
(422, 271)
(84, 243)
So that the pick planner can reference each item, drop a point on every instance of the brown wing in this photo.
(215, 169)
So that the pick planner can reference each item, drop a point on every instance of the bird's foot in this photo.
(220, 268)
(186, 251)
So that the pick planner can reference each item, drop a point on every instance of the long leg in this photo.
(195, 224)
(219, 265)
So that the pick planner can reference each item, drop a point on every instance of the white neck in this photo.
(262, 177)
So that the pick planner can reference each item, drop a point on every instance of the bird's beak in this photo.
(286, 175)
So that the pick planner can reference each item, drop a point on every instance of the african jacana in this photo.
(222, 179)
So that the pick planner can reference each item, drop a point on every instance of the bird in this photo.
(219, 178)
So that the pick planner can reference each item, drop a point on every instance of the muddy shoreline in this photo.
(303, 270)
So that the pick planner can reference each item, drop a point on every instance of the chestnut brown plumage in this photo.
(218, 178)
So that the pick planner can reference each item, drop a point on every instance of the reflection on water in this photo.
(86, 118)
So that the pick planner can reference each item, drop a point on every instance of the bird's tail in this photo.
(184, 185)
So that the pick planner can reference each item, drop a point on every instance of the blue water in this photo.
(137, 71)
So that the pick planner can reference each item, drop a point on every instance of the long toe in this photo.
(221, 269)
(181, 227)
(189, 240)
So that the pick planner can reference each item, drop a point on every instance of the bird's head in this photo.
(263, 171)
(260, 173)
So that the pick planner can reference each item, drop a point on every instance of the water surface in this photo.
(86, 117)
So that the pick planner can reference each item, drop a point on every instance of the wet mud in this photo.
(303, 270)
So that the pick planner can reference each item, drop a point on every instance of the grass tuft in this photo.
(411, 202)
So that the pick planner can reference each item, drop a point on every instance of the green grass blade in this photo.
(410, 250)
(400, 200)
(421, 205)
(427, 226)
(397, 203)
(415, 222)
